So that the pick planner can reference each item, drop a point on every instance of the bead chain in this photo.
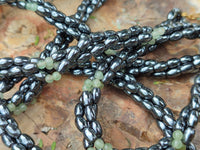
(100, 45)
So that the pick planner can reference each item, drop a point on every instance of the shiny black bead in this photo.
(21, 60)
(6, 62)
(168, 120)
(7, 140)
(89, 134)
(86, 98)
(35, 148)
(90, 113)
(188, 135)
(96, 95)
(193, 118)
(30, 68)
(95, 125)
(28, 97)
(15, 71)
(79, 110)
(4, 112)
(12, 130)
(26, 140)
(18, 147)
(80, 123)
(145, 93)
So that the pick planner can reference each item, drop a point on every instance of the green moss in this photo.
(53, 146)
(37, 39)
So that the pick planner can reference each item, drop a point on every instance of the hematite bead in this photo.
(6, 62)
(4, 112)
(96, 95)
(12, 130)
(30, 68)
(79, 110)
(89, 134)
(35, 148)
(90, 113)
(95, 125)
(191, 146)
(25, 140)
(188, 135)
(21, 60)
(28, 97)
(7, 140)
(18, 147)
(87, 144)
(193, 118)
(3, 122)
(195, 102)
(165, 142)
(15, 71)
(80, 123)
(86, 98)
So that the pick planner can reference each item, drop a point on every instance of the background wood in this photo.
(125, 123)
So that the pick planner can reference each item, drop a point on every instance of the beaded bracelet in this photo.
(114, 64)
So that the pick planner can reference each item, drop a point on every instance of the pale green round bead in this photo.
(152, 42)
(177, 134)
(1, 95)
(55, 65)
(107, 146)
(88, 82)
(86, 88)
(99, 144)
(98, 75)
(31, 6)
(96, 83)
(49, 67)
(157, 32)
(49, 78)
(17, 112)
(22, 107)
(41, 64)
(177, 144)
(56, 76)
(91, 148)
(49, 61)
(11, 107)
(110, 52)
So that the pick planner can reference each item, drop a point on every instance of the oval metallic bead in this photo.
(193, 118)
(18, 147)
(95, 125)
(168, 120)
(12, 130)
(5, 62)
(30, 68)
(89, 134)
(21, 60)
(86, 98)
(79, 110)
(35, 148)
(90, 113)
(96, 95)
(26, 140)
(7, 140)
(80, 123)
(4, 112)
(188, 135)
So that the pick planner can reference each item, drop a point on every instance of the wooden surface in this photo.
(125, 123)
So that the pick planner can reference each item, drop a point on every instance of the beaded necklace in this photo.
(116, 62)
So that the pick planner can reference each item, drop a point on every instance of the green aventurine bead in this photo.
(99, 144)
(17, 112)
(86, 88)
(56, 76)
(110, 52)
(49, 78)
(49, 61)
(157, 32)
(107, 146)
(11, 107)
(96, 83)
(31, 6)
(91, 148)
(1, 95)
(55, 65)
(177, 144)
(49, 66)
(177, 134)
(41, 64)
(22, 107)
(98, 75)
(88, 82)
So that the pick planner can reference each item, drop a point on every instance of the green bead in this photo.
(107, 146)
(152, 42)
(183, 147)
(49, 78)
(88, 82)
(110, 52)
(98, 75)
(49, 67)
(22, 107)
(17, 112)
(177, 144)
(99, 144)
(91, 148)
(97, 83)
(49, 61)
(55, 65)
(1, 95)
(31, 6)
(177, 134)
(11, 107)
(157, 32)
(56, 76)
(86, 88)
(41, 64)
